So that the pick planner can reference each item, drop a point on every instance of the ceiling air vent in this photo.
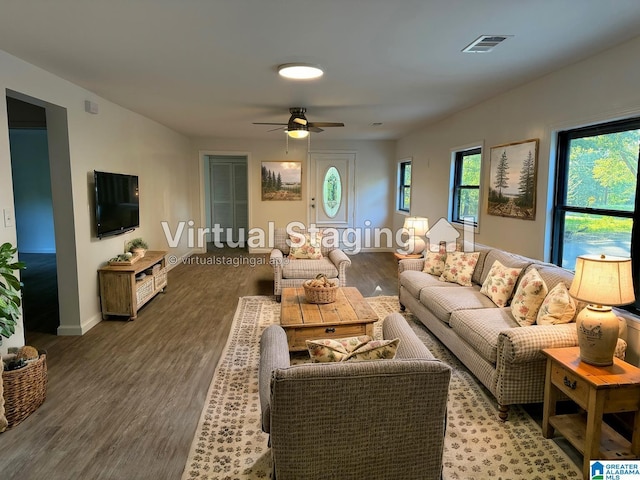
(485, 43)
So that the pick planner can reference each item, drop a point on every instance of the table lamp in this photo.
(602, 281)
(416, 227)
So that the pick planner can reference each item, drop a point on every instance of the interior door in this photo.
(229, 200)
(331, 196)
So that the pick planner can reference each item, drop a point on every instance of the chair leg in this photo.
(402, 308)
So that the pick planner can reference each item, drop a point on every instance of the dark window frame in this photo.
(458, 186)
(560, 207)
(402, 187)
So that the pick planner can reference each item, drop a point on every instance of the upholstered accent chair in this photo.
(374, 419)
(294, 272)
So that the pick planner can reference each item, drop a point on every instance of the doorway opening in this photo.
(33, 204)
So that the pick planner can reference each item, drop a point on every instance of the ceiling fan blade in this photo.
(268, 123)
(326, 124)
(274, 129)
(301, 121)
(315, 129)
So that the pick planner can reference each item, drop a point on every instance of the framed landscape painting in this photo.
(281, 180)
(512, 186)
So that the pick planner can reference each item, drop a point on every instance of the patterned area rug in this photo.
(229, 444)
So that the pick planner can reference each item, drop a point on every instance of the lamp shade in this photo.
(603, 280)
(419, 225)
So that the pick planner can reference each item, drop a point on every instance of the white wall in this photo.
(374, 177)
(115, 140)
(602, 88)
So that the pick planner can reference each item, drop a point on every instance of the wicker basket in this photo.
(320, 294)
(24, 390)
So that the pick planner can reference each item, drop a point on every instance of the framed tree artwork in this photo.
(281, 181)
(512, 186)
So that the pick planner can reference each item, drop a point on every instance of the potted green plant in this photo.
(137, 246)
(9, 291)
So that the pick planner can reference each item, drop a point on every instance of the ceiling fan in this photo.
(298, 126)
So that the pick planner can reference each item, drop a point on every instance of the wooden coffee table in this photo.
(349, 316)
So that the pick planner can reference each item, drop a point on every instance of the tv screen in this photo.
(117, 207)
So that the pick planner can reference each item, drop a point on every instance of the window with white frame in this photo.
(465, 191)
(404, 186)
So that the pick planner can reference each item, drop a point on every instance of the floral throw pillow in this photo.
(375, 350)
(558, 307)
(528, 298)
(434, 262)
(335, 349)
(309, 249)
(500, 282)
(459, 267)
(352, 349)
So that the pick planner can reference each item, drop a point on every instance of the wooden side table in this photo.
(402, 256)
(597, 390)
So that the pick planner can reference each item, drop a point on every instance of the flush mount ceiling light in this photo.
(300, 71)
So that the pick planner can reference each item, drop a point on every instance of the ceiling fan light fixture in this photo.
(300, 71)
(298, 133)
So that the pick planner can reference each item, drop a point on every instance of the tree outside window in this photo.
(466, 186)
(596, 192)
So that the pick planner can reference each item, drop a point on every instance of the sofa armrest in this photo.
(276, 257)
(410, 264)
(524, 344)
(341, 260)
(410, 346)
(274, 353)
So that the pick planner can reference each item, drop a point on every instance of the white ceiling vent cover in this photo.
(485, 43)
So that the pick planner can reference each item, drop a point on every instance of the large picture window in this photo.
(404, 187)
(465, 199)
(596, 193)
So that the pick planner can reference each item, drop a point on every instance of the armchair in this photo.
(293, 273)
(380, 419)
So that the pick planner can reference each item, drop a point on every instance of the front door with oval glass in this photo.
(331, 195)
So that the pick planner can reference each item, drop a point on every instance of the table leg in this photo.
(550, 399)
(595, 409)
(635, 438)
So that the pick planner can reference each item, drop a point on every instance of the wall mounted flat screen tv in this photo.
(117, 203)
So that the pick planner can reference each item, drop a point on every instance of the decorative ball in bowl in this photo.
(320, 289)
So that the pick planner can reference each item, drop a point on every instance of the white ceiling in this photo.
(208, 67)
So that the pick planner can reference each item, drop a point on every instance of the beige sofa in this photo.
(504, 356)
(377, 419)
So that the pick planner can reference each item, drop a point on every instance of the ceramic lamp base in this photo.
(597, 335)
(416, 245)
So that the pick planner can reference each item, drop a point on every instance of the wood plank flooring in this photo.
(124, 399)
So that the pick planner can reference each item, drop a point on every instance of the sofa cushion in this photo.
(442, 301)
(307, 268)
(557, 307)
(499, 284)
(310, 248)
(505, 258)
(335, 349)
(414, 281)
(434, 262)
(352, 349)
(529, 296)
(483, 250)
(481, 329)
(459, 267)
